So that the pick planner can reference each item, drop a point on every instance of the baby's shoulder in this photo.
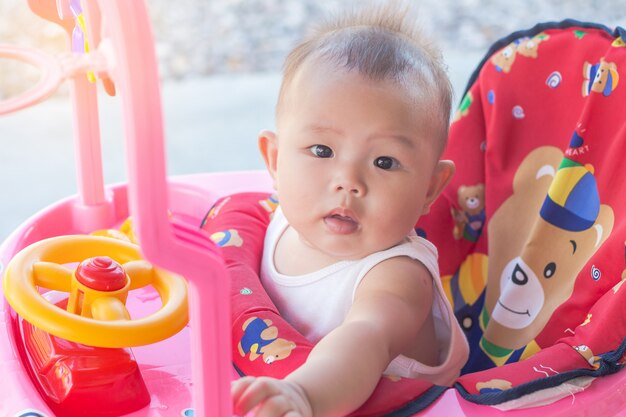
(402, 274)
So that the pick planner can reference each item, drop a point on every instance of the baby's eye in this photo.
(321, 151)
(386, 162)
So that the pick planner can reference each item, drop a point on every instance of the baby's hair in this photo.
(381, 41)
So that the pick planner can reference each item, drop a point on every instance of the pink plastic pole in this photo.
(94, 210)
(178, 248)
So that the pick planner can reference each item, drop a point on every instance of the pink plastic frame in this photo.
(131, 64)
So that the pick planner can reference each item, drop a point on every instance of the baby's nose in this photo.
(355, 189)
(351, 183)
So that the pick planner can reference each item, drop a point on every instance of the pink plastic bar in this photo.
(136, 77)
(95, 210)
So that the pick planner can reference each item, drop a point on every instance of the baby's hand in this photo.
(269, 397)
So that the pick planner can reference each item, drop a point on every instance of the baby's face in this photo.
(355, 161)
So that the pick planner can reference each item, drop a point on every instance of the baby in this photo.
(362, 119)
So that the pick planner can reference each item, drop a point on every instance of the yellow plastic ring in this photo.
(21, 291)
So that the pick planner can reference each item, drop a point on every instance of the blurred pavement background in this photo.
(220, 63)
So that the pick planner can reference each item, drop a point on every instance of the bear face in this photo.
(600, 78)
(277, 350)
(535, 283)
(470, 218)
(504, 59)
(533, 262)
(529, 47)
(471, 198)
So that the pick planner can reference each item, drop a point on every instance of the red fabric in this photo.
(540, 109)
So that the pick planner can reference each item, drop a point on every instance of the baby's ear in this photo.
(269, 151)
(442, 174)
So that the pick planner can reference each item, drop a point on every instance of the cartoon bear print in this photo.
(503, 60)
(586, 352)
(228, 237)
(260, 338)
(600, 78)
(270, 204)
(493, 385)
(526, 46)
(539, 240)
(469, 220)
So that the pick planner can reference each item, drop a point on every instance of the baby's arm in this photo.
(343, 369)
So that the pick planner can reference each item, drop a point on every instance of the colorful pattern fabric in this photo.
(539, 143)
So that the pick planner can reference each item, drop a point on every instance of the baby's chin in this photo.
(346, 249)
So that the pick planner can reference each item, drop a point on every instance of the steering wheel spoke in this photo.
(52, 276)
(109, 308)
(141, 273)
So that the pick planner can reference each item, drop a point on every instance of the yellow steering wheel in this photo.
(96, 314)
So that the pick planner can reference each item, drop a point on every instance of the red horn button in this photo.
(101, 274)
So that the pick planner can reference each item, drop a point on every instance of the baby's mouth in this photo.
(342, 224)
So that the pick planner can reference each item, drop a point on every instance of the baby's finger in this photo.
(238, 386)
(255, 393)
(277, 406)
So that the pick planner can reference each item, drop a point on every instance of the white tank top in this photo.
(317, 302)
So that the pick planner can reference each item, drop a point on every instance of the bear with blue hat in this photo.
(573, 201)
